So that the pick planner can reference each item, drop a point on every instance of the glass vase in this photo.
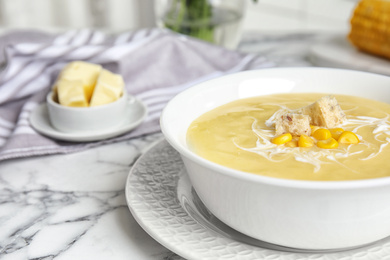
(215, 21)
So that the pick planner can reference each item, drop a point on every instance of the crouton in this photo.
(325, 112)
(295, 124)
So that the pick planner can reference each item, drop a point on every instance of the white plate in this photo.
(338, 52)
(162, 200)
(39, 120)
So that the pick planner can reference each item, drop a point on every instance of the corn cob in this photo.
(370, 27)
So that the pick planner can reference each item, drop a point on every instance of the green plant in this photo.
(192, 17)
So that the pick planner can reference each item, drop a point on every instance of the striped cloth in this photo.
(155, 64)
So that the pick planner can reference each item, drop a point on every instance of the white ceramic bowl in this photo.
(86, 119)
(299, 214)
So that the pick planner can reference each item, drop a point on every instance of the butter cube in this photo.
(71, 93)
(109, 87)
(86, 73)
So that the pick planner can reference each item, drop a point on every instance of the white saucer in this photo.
(162, 200)
(136, 113)
(338, 52)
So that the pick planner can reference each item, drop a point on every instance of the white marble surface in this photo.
(73, 206)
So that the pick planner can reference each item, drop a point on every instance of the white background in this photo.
(121, 15)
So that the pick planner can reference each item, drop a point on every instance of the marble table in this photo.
(73, 206)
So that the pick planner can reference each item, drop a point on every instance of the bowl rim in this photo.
(257, 178)
(50, 101)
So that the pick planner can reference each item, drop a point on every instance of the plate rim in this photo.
(359, 253)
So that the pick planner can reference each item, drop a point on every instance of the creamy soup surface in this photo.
(235, 135)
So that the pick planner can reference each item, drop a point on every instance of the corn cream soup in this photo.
(236, 135)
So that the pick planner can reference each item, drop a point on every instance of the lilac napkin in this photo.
(156, 65)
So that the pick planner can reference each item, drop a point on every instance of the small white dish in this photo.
(162, 200)
(86, 119)
(135, 114)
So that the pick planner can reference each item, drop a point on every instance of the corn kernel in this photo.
(329, 143)
(292, 144)
(305, 141)
(336, 132)
(370, 27)
(348, 137)
(322, 134)
(282, 139)
(314, 128)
